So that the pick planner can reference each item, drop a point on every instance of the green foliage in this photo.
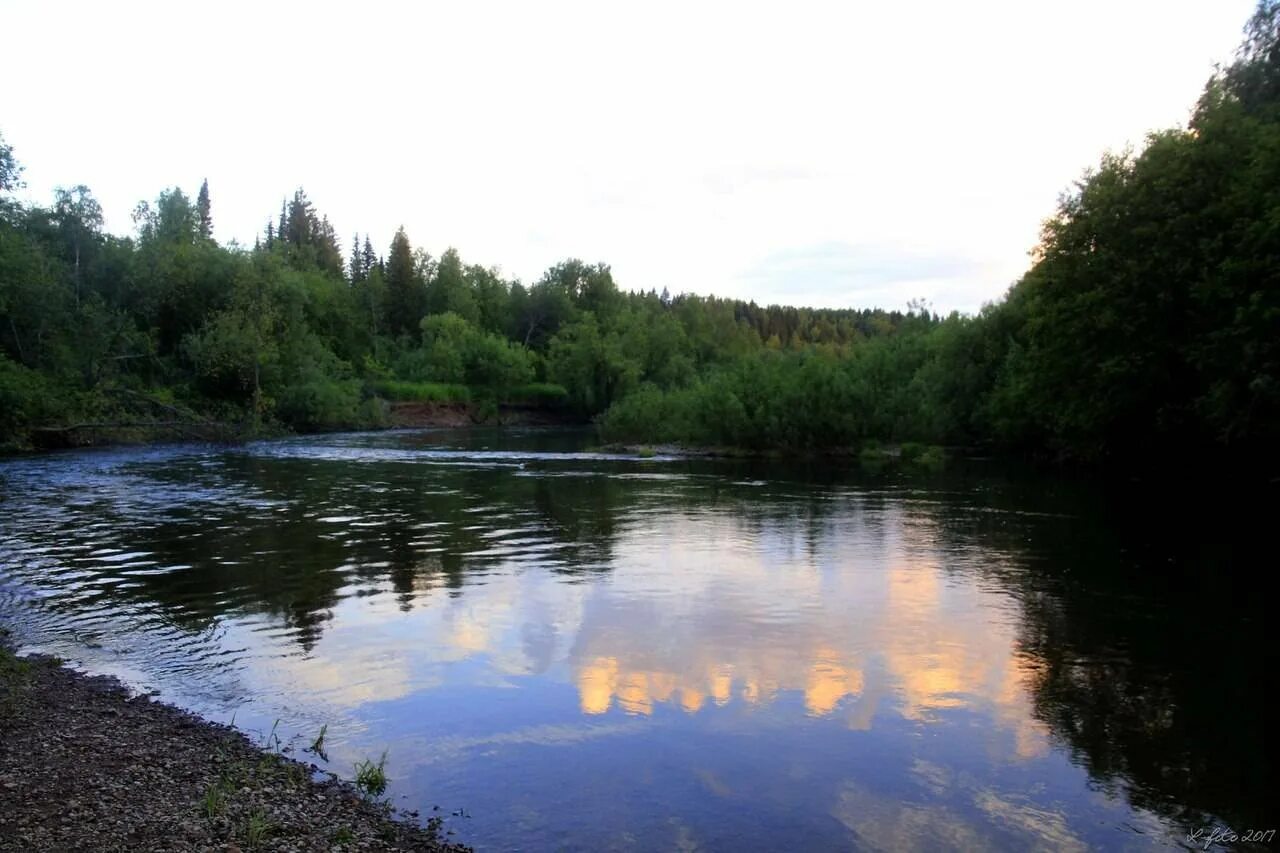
(257, 828)
(454, 351)
(204, 212)
(214, 800)
(10, 170)
(422, 392)
(322, 403)
(449, 291)
(371, 779)
(592, 364)
(405, 293)
(26, 398)
(317, 744)
(546, 395)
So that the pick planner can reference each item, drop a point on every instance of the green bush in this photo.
(455, 352)
(321, 403)
(932, 459)
(26, 399)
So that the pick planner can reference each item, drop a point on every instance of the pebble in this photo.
(84, 768)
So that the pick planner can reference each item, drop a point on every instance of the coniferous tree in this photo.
(328, 252)
(297, 229)
(356, 270)
(404, 288)
(204, 211)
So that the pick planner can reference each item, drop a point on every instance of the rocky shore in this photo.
(85, 766)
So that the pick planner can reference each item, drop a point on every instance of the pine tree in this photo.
(370, 257)
(284, 221)
(204, 211)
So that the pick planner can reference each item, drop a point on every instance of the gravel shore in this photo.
(85, 767)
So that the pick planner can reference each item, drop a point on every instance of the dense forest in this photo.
(1147, 324)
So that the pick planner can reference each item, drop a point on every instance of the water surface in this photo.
(568, 651)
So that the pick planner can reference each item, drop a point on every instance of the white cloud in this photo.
(686, 145)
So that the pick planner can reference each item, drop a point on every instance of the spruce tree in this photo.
(404, 291)
(328, 252)
(204, 211)
(356, 269)
(301, 224)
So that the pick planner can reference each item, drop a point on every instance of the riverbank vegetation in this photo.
(1147, 324)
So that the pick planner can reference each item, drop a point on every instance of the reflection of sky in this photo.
(710, 627)
(698, 613)
(738, 672)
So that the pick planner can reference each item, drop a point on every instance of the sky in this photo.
(850, 154)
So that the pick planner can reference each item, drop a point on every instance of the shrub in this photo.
(321, 403)
(26, 399)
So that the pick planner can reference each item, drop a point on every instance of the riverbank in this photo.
(408, 415)
(929, 457)
(395, 415)
(84, 766)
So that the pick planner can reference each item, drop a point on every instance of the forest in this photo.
(1148, 323)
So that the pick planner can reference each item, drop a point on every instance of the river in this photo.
(565, 650)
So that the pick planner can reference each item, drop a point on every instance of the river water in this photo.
(563, 650)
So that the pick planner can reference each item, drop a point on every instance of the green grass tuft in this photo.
(542, 394)
(256, 829)
(422, 392)
(214, 801)
(371, 779)
(317, 745)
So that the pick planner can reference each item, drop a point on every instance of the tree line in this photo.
(1148, 326)
(293, 333)
(1148, 322)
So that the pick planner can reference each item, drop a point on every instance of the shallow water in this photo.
(568, 651)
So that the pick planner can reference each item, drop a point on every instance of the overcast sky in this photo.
(837, 154)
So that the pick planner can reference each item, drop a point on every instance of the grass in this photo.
(544, 394)
(214, 801)
(317, 745)
(371, 779)
(273, 740)
(14, 672)
(422, 392)
(256, 829)
(12, 667)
